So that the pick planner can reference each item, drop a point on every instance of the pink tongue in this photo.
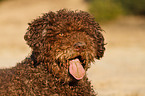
(76, 69)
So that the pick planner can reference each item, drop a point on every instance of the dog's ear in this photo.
(38, 29)
(35, 33)
(99, 40)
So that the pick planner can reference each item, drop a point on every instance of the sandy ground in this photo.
(121, 72)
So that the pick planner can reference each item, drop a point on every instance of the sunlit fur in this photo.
(53, 39)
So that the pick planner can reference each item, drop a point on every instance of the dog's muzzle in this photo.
(80, 46)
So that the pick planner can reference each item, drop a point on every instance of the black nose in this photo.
(80, 46)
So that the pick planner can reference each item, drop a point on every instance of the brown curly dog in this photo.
(63, 43)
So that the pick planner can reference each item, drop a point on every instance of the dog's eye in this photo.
(61, 34)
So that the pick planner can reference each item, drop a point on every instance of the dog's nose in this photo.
(80, 46)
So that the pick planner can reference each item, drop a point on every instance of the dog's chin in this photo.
(71, 81)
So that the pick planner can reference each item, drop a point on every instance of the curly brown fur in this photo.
(56, 39)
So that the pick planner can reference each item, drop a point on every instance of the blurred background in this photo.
(121, 72)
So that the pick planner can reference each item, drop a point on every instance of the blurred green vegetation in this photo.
(1, 0)
(136, 7)
(105, 10)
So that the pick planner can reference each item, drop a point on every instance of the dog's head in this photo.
(66, 41)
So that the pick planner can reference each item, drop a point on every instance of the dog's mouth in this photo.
(76, 67)
(75, 64)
